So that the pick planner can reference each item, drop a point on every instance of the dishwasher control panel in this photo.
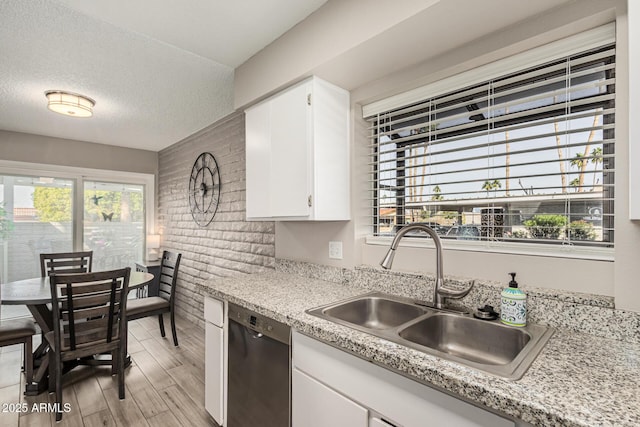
(259, 323)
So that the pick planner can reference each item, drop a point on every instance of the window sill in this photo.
(539, 250)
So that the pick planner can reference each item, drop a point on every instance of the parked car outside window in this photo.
(464, 232)
(438, 228)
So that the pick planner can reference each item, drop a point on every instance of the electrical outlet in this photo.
(335, 250)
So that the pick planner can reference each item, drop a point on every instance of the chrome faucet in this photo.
(440, 292)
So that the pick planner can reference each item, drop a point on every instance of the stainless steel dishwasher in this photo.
(259, 382)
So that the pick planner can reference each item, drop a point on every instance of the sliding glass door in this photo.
(68, 209)
(114, 223)
(36, 216)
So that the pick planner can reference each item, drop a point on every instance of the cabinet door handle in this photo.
(308, 99)
(309, 200)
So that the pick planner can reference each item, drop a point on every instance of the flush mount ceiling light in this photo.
(69, 103)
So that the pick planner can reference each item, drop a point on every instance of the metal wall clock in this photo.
(204, 189)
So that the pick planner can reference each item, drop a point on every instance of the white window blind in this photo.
(526, 156)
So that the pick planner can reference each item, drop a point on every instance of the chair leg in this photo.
(120, 358)
(173, 329)
(161, 320)
(52, 371)
(58, 367)
(114, 366)
(28, 360)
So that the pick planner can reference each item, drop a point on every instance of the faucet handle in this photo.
(455, 293)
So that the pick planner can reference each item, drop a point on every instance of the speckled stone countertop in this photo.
(577, 379)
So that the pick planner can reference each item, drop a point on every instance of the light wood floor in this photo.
(164, 385)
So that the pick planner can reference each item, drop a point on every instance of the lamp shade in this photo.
(153, 241)
(69, 103)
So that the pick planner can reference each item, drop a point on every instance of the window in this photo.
(62, 209)
(114, 227)
(35, 217)
(526, 156)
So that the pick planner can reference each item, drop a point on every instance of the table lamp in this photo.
(153, 243)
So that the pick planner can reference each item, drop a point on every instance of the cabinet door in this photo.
(315, 405)
(258, 160)
(214, 311)
(377, 422)
(633, 16)
(214, 372)
(290, 152)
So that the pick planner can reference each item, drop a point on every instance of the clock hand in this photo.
(206, 188)
(202, 188)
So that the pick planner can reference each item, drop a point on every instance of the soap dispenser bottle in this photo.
(514, 304)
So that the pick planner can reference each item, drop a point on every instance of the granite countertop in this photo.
(577, 379)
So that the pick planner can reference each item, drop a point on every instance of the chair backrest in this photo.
(66, 262)
(89, 308)
(169, 274)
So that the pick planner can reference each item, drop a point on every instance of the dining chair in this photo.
(89, 312)
(20, 331)
(66, 262)
(165, 301)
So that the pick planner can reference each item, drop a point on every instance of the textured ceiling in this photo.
(225, 31)
(158, 72)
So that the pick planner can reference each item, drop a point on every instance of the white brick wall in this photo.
(228, 245)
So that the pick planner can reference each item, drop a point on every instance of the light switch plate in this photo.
(335, 250)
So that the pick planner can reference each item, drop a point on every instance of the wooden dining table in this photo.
(35, 293)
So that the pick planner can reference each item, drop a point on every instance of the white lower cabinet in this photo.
(325, 378)
(379, 422)
(215, 354)
(316, 405)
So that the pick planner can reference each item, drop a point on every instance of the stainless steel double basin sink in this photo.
(488, 346)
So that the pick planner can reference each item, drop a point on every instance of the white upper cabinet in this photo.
(633, 15)
(297, 154)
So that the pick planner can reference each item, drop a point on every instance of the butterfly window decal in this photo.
(107, 217)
